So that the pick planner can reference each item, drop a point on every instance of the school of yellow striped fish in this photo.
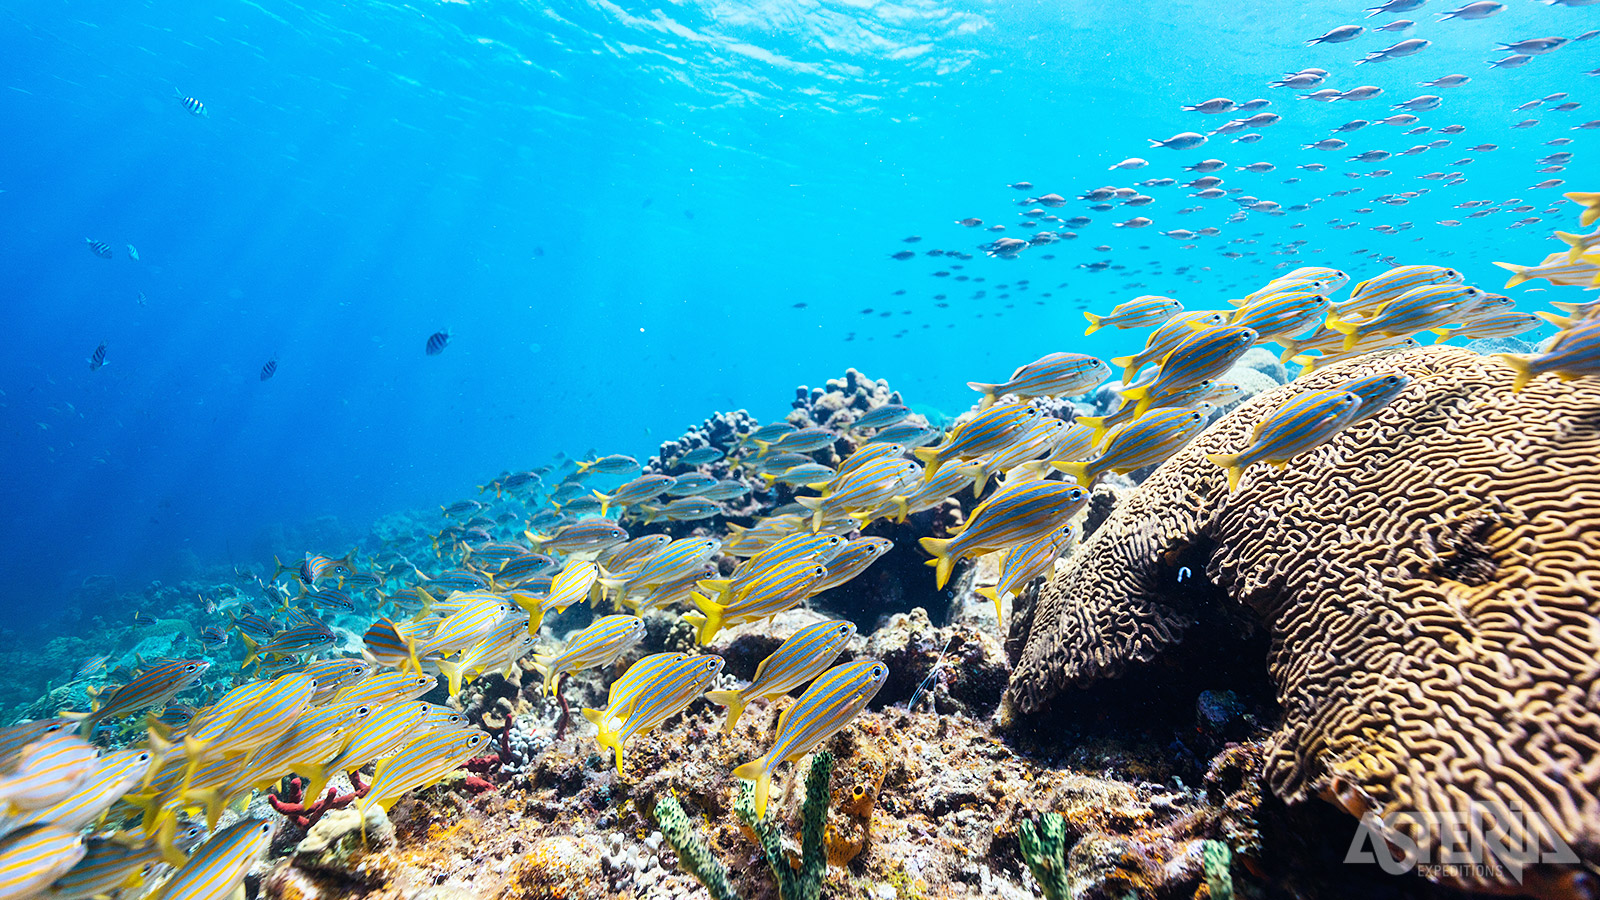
(78, 820)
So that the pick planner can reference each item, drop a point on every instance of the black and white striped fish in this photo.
(99, 248)
(437, 342)
(194, 107)
(98, 357)
(269, 369)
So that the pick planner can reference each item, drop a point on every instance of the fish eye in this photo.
(266, 828)
(189, 668)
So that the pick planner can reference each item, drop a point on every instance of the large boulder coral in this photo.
(1430, 585)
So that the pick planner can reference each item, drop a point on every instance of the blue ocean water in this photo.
(618, 210)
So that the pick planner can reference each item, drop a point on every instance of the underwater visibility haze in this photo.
(1134, 446)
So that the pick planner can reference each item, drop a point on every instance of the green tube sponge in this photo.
(1044, 848)
(692, 851)
(805, 884)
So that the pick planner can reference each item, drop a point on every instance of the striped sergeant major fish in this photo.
(97, 359)
(99, 248)
(190, 105)
(269, 368)
(828, 705)
(796, 661)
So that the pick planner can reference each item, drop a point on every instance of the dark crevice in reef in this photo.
(1176, 712)
(1468, 558)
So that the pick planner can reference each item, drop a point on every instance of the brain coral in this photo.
(1430, 581)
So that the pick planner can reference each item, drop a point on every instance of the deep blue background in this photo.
(615, 207)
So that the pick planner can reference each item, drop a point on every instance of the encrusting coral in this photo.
(1427, 580)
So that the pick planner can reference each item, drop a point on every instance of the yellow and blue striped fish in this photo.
(1163, 339)
(297, 639)
(14, 737)
(868, 452)
(589, 535)
(1140, 312)
(777, 588)
(862, 490)
(625, 557)
(1025, 562)
(986, 432)
(1013, 515)
(576, 581)
(332, 674)
(798, 660)
(1500, 324)
(386, 644)
(672, 591)
(1145, 441)
(801, 440)
(856, 557)
(1419, 309)
(1367, 296)
(387, 689)
(931, 492)
(497, 646)
(662, 693)
(32, 857)
(1195, 396)
(831, 703)
(803, 545)
(1202, 356)
(115, 774)
(432, 756)
(675, 560)
(467, 627)
(379, 735)
(1027, 445)
(632, 493)
(625, 690)
(155, 686)
(249, 724)
(1575, 353)
(1328, 280)
(1302, 423)
(606, 638)
(1051, 375)
(110, 864)
(217, 868)
(1284, 312)
(1376, 393)
(48, 771)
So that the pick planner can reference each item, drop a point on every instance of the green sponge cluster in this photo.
(804, 883)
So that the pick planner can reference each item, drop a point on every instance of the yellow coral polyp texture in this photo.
(1431, 582)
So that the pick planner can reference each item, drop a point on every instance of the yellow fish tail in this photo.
(1098, 423)
(1129, 366)
(1094, 323)
(708, 628)
(759, 772)
(1574, 244)
(930, 459)
(1078, 471)
(734, 701)
(1230, 464)
(1519, 274)
(1562, 322)
(453, 673)
(545, 666)
(1291, 349)
(1522, 368)
(988, 391)
(993, 593)
(605, 501)
(815, 505)
(1591, 203)
(942, 561)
